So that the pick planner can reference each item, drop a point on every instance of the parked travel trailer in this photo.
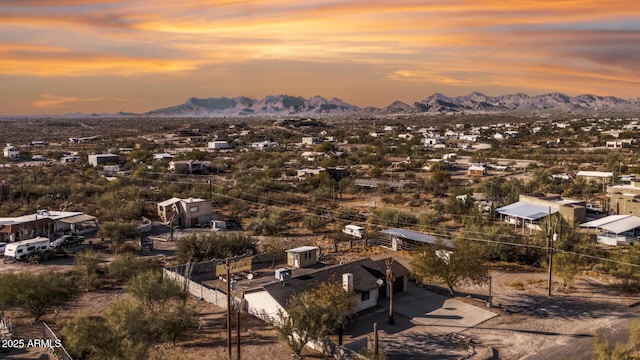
(354, 230)
(23, 250)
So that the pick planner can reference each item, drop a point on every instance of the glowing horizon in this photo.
(134, 56)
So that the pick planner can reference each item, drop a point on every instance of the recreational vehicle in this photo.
(354, 230)
(22, 250)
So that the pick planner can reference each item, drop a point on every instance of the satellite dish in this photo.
(250, 276)
(379, 282)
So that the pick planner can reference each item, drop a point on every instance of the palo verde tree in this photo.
(156, 311)
(462, 264)
(35, 292)
(314, 314)
(214, 245)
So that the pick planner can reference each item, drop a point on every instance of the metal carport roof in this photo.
(416, 236)
(616, 224)
(527, 211)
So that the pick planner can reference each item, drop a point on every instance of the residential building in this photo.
(365, 277)
(11, 152)
(624, 199)
(264, 145)
(477, 169)
(186, 213)
(103, 159)
(46, 223)
(531, 209)
(218, 145)
(602, 177)
(190, 166)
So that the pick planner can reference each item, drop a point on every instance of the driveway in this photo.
(425, 325)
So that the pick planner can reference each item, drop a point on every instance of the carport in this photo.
(522, 212)
(616, 229)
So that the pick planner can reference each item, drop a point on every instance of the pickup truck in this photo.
(66, 241)
(594, 208)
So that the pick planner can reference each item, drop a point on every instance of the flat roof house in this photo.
(103, 159)
(185, 212)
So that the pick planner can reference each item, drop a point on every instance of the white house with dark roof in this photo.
(367, 281)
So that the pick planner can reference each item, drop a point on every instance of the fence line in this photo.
(59, 351)
(202, 291)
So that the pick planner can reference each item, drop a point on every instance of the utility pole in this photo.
(238, 334)
(228, 268)
(389, 263)
(375, 338)
(553, 237)
(489, 303)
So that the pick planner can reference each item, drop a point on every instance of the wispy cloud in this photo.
(58, 101)
(449, 43)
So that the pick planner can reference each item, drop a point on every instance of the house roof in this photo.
(366, 273)
(527, 211)
(171, 201)
(416, 236)
(372, 183)
(601, 174)
(616, 224)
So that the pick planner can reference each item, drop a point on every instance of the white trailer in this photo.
(23, 250)
(354, 230)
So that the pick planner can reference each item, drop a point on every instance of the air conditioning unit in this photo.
(283, 274)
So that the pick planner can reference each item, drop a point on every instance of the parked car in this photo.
(3, 245)
(67, 240)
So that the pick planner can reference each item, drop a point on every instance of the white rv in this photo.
(354, 230)
(21, 250)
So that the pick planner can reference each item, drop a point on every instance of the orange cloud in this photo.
(53, 101)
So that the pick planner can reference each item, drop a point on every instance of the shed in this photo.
(302, 256)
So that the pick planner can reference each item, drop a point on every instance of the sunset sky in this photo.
(137, 55)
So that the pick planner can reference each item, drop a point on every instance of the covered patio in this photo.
(615, 229)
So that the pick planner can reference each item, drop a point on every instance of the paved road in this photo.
(424, 322)
(582, 347)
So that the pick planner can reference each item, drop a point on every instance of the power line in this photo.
(451, 236)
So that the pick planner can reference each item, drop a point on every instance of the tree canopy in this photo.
(452, 267)
(314, 314)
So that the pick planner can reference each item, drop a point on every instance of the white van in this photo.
(354, 230)
(21, 250)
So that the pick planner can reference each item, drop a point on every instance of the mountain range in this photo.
(474, 103)
(436, 104)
